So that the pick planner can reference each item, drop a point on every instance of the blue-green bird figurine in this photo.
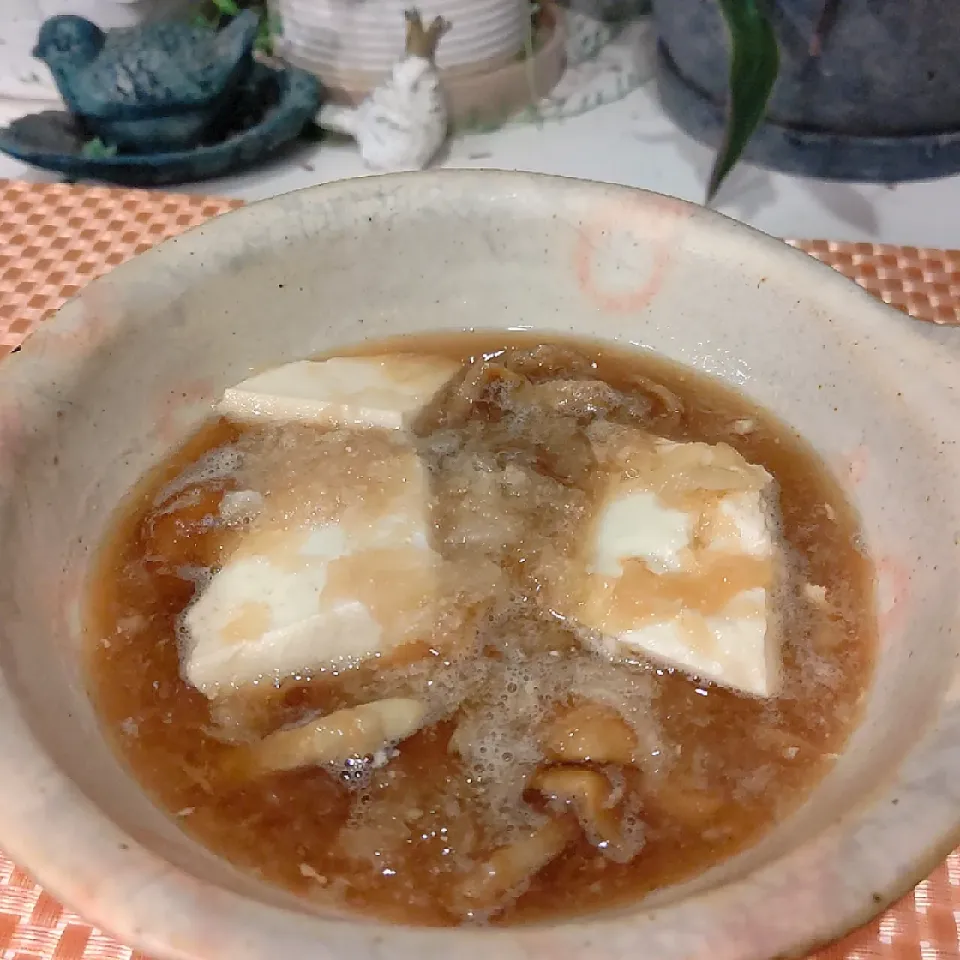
(148, 89)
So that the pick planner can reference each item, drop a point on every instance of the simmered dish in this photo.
(473, 628)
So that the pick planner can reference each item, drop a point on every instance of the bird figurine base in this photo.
(271, 108)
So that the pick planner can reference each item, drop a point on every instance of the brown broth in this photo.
(732, 765)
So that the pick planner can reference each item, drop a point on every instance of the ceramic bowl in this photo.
(131, 365)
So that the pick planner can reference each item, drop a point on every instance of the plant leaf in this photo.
(754, 64)
(265, 35)
(227, 8)
(96, 149)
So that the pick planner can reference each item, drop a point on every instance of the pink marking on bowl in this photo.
(655, 221)
(893, 592)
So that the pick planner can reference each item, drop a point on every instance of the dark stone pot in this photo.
(881, 101)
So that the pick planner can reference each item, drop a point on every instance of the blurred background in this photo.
(859, 141)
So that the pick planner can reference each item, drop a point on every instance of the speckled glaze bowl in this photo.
(131, 365)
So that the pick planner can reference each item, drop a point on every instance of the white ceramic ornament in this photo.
(402, 124)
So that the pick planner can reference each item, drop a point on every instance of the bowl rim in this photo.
(85, 860)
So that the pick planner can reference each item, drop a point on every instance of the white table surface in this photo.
(632, 142)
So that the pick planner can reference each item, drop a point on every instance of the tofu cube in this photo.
(348, 576)
(680, 562)
(386, 392)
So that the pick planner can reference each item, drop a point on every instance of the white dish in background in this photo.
(341, 36)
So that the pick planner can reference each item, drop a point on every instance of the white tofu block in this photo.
(681, 562)
(386, 392)
(328, 591)
(639, 525)
(735, 648)
(741, 524)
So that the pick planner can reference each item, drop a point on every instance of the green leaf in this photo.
(227, 8)
(96, 149)
(264, 42)
(754, 64)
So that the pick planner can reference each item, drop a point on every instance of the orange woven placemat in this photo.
(55, 238)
